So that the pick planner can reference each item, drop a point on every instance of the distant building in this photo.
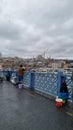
(57, 64)
(40, 58)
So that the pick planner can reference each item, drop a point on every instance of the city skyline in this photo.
(32, 28)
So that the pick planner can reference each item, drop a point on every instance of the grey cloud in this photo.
(9, 30)
(28, 28)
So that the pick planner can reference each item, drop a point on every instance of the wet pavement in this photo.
(22, 109)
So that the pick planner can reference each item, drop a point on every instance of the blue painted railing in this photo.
(48, 83)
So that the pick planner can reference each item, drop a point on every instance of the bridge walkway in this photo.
(22, 109)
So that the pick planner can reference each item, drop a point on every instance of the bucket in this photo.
(63, 101)
(20, 86)
(59, 102)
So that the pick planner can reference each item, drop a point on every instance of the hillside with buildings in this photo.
(36, 63)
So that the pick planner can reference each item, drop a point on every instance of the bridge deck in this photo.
(26, 110)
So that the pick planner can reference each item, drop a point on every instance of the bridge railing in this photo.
(48, 83)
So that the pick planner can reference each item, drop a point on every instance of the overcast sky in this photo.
(32, 27)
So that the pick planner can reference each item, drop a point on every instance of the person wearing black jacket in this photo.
(8, 76)
(63, 88)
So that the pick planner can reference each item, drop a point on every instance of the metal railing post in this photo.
(32, 79)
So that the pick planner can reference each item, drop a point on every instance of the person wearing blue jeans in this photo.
(20, 73)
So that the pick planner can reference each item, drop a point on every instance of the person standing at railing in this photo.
(8, 76)
(64, 88)
(20, 73)
(64, 94)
